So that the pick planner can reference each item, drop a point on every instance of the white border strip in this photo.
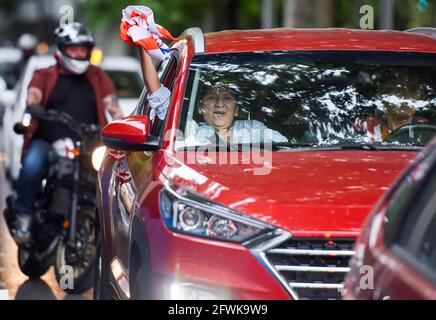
(4, 294)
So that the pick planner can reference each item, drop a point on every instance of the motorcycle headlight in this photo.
(191, 214)
(25, 121)
(97, 157)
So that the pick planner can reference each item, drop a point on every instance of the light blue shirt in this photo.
(159, 101)
(243, 132)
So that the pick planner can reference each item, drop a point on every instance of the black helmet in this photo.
(73, 34)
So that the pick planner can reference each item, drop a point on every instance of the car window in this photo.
(315, 98)
(4, 67)
(416, 218)
(143, 107)
(410, 224)
(427, 247)
(404, 205)
(166, 72)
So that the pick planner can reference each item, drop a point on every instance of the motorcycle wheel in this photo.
(83, 270)
(30, 265)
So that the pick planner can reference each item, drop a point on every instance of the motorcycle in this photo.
(63, 220)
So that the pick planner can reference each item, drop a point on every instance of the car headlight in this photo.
(97, 157)
(186, 212)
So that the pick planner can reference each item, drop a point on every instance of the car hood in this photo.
(305, 192)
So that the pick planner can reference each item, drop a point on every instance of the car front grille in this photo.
(312, 268)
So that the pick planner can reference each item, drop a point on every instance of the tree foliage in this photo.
(178, 15)
(9, 5)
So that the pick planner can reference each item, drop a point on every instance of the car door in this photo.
(133, 171)
(407, 268)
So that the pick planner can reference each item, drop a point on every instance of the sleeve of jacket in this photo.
(39, 80)
(107, 85)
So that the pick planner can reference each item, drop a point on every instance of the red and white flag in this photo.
(138, 28)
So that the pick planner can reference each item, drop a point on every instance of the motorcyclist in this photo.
(73, 86)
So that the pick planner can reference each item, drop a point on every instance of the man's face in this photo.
(79, 52)
(402, 112)
(219, 108)
(405, 105)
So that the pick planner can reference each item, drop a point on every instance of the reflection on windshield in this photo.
(311, 98)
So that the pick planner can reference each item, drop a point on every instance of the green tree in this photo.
(9, 5)
(176, 15)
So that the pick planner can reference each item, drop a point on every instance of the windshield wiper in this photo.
(377, 147)
(318, 147)
(295, 146)
(346, 146)
(291, 146)
(357, 146)
(222, 147)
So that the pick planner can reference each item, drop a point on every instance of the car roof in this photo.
(317, 39)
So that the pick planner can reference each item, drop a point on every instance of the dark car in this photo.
(396, 252)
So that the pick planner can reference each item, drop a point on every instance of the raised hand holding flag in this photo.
(138, 28)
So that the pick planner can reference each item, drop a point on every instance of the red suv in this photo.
(322, 123)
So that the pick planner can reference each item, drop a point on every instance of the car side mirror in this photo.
(129, 134)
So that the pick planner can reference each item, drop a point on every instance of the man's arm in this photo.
(34, 96)
(149, 72)
(158, 95)
(36, 87)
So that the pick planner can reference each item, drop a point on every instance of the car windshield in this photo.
(310, 99)
(127, 83)
(5, 66)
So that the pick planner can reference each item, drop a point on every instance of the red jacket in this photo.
(46, 79)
